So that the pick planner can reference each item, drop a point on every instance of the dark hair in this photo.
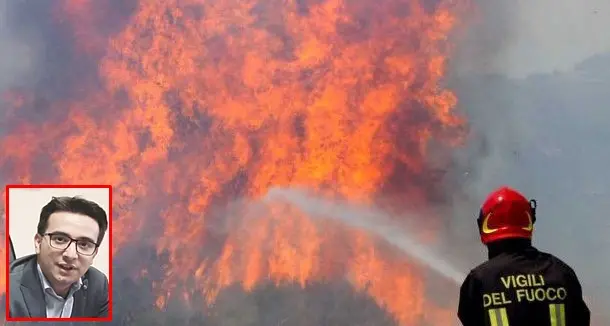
(74, 205)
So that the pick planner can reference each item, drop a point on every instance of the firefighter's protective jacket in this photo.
(522, 288)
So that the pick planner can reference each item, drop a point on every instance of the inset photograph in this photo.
(59, 238)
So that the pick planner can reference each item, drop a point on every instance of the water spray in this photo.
(374, 221)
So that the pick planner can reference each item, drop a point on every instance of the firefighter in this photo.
(519, 285)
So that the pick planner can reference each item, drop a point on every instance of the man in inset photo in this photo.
(58, 281)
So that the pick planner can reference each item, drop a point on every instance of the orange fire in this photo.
(199, 103)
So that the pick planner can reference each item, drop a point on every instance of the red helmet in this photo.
(506, 214)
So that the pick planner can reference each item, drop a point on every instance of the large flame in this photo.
(198, 103)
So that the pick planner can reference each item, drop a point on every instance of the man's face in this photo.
(64, 267)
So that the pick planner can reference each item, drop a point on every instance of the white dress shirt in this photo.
(57, 306)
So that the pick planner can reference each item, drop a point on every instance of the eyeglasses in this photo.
(62, 242)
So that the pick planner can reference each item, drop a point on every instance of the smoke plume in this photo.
(20, 50)
(533, 79)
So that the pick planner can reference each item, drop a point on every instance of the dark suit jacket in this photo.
(27, 298)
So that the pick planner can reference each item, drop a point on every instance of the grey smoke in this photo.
(20, 50)
(521, 38)
(534, 86)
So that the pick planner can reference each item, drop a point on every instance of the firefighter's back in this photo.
(530, 287)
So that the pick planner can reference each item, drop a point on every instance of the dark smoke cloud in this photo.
(545, 133)
(21, 50)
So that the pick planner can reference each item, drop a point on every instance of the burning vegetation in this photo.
(189, 107)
